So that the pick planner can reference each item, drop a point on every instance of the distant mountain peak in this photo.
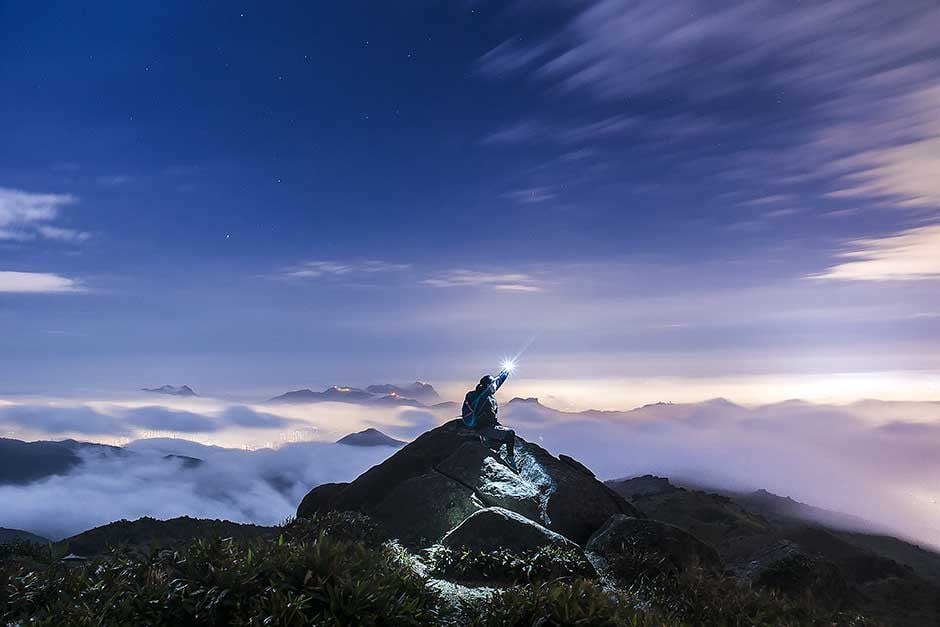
(370, 437)
(385, 394)
(341, 393)
(531, 400)
(172, 390)
(419, 391)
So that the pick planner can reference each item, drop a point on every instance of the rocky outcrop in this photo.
(319, 499)
(495, 529)
(420, 510)
(679, 549)
(492, 480)
(434, 483)
(790, 569)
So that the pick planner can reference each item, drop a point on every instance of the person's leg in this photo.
(501, 434)
(494, 433)
(510, 442)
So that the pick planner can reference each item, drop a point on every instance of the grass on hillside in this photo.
(336, 570)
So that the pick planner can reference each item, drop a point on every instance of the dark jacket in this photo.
(482, 402)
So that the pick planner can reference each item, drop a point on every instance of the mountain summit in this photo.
(416, 394)
(370, 437)
(446, 476)
(334, 393)
(423, 392)
(172, 390)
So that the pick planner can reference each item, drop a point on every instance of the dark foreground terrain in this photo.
(445, 532)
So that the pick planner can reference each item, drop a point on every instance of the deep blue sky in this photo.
(250, 196)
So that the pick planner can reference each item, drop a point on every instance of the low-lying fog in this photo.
(872, 459)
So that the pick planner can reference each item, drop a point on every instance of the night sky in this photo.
(252, 197)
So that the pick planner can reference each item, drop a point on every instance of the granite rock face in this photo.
(433, 484)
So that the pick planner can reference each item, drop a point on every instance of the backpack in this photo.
(469, 410)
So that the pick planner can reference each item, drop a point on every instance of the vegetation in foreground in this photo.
(335, 570)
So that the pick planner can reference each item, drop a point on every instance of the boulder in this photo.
(571, 461)
(419, 457)
(792, 570)
(447, 474)
(494, 482)
(420, 510)
(680, 549)
(574, 503)
(495, 528)
(319, 499)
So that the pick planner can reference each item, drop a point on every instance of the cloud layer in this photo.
(120, 421)
(37, 283)
(27, 215)
(910, 255)
(262, 487)
(872, 459)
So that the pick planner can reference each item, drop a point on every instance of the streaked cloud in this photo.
(37, 283)
(114, 180)
(56, 419)
(909, 255)
(509, 57)
(320, 269)
(63, 235)
(532, 195)
(27, 215)
(508, 282)
(517, 133)
(874, 137)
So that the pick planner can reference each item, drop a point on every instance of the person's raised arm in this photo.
(500, 379)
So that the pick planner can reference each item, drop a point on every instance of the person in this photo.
(480, 411)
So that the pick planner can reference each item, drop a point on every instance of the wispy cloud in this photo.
(766, 200)
(63, 235)
(520, 132)
(909, 255)
(27, 215)
(604, 128)
(37, 283)
(325, 269)
(85, 420)
(532, 195)
(509, 282)
(114, 180)
(853, 86)
(509, 57)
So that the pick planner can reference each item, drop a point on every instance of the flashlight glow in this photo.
(508, 365)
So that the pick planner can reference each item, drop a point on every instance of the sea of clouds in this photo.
(871, 459)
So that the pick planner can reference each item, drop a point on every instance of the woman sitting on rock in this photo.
(480, 409)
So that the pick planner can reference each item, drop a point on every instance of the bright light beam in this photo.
(508, 365)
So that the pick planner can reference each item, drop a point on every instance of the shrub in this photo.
(27, 550)
(696, 596)
(340, 526)
(544, 564)
(579, 602)
(223, 582)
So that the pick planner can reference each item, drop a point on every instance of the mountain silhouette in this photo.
(421, 392)
(370, 437)
(25, 462)
(335, 393)
(18, 535)
(183, 390)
